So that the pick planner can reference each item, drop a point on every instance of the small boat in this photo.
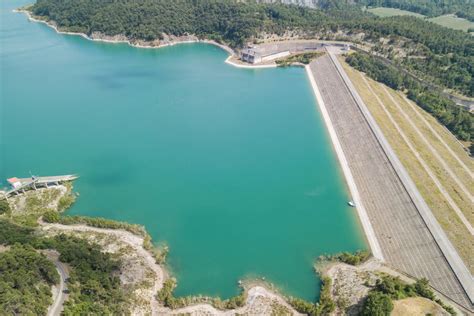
(351, 204)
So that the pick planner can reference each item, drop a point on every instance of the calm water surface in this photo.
(232, 168)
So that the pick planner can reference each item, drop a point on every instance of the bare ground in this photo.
(417, 306)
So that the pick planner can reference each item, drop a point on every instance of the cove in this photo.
(232, 168)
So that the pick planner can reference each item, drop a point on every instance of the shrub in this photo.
(303, 306)
(353, 259)
(4, 206)
(377, 304)
(51, 217)
(11, 233)
(165, 295)
(66, 201)
(395, 288)
(325, 306)
(422, 288)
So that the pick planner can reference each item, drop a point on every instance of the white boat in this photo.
(351, 204)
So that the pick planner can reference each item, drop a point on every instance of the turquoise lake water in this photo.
(232, 168)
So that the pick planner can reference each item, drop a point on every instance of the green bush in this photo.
(4, 207)
(325, 306)
(165, 295)
(303, 58)
(51, 217)
(66, 201)
(353, 258)
(422, 288)
(11, 233)
(303, 306)
(395, 288)
(377, 304)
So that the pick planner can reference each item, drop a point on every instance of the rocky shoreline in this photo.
(168, 40)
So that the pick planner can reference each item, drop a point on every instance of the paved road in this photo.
(407, 243)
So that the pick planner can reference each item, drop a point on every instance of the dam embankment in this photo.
(406, 237)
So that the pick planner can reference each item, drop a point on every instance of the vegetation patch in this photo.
(377, 303)
(325, 306)
(4, 207)
(99, 222)
(67, 199)
(11, 233)
(354, 259)
(388, 288)
(26, 208)
(26, 277)
(93, 284)
(159, 253)
(166, 297)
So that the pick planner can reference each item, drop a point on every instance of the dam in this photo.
(402, 230)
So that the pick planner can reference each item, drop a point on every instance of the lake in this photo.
(232, 168)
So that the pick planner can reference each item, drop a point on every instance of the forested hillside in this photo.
(26, 276)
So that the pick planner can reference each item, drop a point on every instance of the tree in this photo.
(4, 206)
(377, 304)
(26, 277)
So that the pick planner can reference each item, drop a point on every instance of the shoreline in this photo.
(193, 39)
(228, 60)
(257, 293)
(362, 213)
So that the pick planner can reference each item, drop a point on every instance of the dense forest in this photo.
(455, 118)
(26, 275)
(236, 23)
